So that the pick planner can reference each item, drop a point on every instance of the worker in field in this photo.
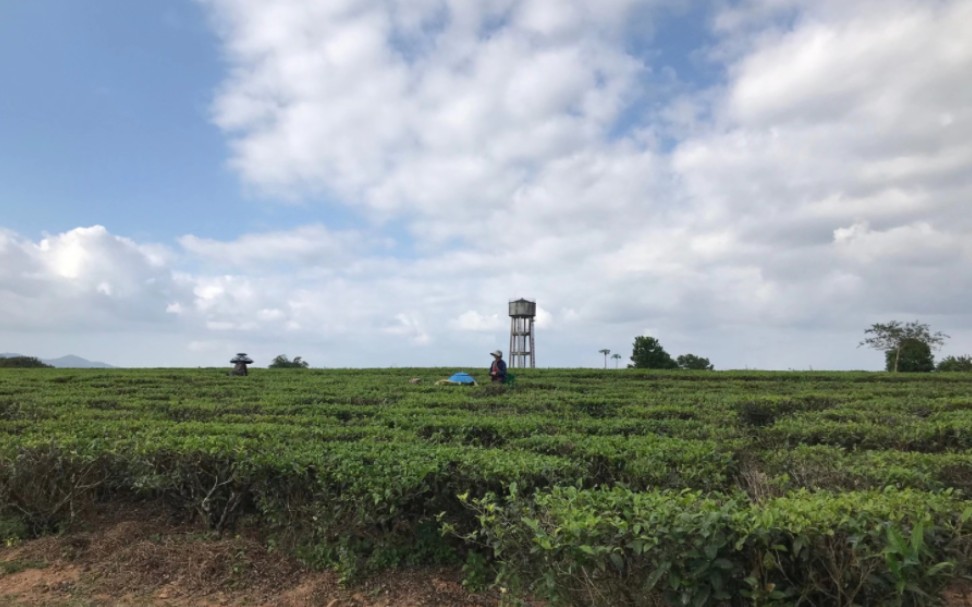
(497, 370)
(240, 361)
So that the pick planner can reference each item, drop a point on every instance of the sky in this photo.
(368, 183)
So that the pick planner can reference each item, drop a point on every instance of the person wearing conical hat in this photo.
(497, 370)
(240, 361)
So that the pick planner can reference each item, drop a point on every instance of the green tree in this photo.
(23, 362)
(891, 338)
(955, 363)
(914, 356)
(693, 362)
(617, 358)
(282, 362)
(648, 353)
(605, 352)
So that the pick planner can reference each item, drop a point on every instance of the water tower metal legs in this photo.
(521, 343)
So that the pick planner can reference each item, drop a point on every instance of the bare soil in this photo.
(134, 557)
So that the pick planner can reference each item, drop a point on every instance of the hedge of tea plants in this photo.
(583, 487)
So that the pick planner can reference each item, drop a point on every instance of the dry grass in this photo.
(133, 556)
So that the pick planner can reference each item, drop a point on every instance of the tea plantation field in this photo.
(584, 487)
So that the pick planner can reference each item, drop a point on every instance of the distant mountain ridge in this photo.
(67, 362)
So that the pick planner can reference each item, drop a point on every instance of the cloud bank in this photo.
(506, 148)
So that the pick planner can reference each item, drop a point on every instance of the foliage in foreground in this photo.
(618, 547)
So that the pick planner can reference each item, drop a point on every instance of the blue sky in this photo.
(367, 183)
(110, 120)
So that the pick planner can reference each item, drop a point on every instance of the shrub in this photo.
(47, 487)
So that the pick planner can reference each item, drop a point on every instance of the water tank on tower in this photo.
(522, 313)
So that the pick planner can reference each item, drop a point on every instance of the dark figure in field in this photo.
(240, 361)
(497, 370)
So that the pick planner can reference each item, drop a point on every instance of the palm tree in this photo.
(605, 352)
(616, 358)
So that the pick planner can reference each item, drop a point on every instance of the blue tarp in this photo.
(462, 378)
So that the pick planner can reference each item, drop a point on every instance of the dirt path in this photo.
(133, 559)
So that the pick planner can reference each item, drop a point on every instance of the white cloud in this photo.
(410, 326)
(499, 148)
(471, 320)
(83, 276)
(918, 243)
(837, 157)
(545, 319)
(493, 90)
(313, 245)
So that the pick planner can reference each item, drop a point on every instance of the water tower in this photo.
(522, 313)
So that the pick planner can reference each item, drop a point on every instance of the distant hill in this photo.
(67, 362)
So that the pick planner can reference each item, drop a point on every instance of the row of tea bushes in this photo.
(362, 469)
(625, 548)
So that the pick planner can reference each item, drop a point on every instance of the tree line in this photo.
(282, 362)
(23, 362)
(648, 353)
(907, 347)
